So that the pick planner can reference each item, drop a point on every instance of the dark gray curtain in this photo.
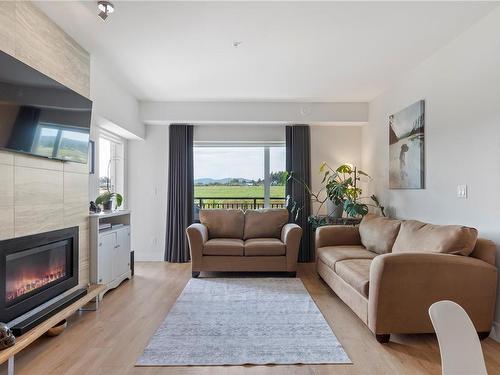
(180, 192)
(298, 161)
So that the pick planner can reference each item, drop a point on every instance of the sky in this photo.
(235, 162)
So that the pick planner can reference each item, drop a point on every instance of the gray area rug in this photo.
(236, 321)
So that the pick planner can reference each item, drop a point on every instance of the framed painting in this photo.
(406, 147)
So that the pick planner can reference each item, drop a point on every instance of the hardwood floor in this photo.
(110, 340)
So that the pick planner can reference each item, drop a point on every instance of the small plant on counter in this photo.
(106, 200)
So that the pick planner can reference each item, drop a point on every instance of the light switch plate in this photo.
(462, 191)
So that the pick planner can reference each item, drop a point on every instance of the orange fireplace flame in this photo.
(28, 283)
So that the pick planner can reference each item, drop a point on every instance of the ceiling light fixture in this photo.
(105, 9)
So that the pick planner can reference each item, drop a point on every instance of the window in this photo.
(239, 176)
(111, 164)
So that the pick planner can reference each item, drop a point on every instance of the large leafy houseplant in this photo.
(341, 186)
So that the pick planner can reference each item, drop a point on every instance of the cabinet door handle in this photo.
(117, 246)
(100, 280)
(100, 243)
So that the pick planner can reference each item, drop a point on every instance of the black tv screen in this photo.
(40, 116)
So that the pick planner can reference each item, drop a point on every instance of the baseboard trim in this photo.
(495, 331)
(148, 257)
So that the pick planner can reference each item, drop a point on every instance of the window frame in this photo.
(267, 158)
(116, 170)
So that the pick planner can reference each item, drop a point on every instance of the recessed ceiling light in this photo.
(105, 9)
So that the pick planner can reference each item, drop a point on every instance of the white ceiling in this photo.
(290, 51)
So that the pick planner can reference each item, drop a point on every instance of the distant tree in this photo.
(234, 182)
(278, 178)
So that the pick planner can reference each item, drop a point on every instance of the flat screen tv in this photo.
(39, 116)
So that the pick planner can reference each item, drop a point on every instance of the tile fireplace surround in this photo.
(41, 195)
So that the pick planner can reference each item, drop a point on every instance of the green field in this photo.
(226, 191)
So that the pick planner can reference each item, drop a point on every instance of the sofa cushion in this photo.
(223, 223)
(356, 273)
(223, 246)
(265, 223)
(415, 236)
(332, 254)
(378, 233)
(264, 246)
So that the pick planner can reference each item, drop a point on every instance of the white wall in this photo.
(147, 186)
(114, 108)
(239, 133)
(461, 87)
(336, 145)
(252, 112)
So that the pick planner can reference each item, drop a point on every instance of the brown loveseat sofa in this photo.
(257, 240)
(389, 272)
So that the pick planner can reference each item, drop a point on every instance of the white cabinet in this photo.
(105, 258)
(110, 249)
(121, 257)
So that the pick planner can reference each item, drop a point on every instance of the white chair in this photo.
(461, 352)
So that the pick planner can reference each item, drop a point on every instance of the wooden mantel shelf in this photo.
(23, 341)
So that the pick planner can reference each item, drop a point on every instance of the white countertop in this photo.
(104, 214)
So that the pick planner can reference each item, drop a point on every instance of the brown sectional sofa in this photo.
(389, 272)
(257, 240)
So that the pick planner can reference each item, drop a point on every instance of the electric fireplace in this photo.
(35, 269)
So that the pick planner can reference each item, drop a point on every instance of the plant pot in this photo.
(57, 329)
(107, 206)
(334, 210)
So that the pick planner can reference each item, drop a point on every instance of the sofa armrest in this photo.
(404, 285)
(197, 235)
(290, 236)
(335, 235)
(485, 250)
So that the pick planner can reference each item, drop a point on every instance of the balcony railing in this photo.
(245, 203)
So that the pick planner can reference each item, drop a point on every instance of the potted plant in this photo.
(106, 200)
(336, 185)
(341, 186)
